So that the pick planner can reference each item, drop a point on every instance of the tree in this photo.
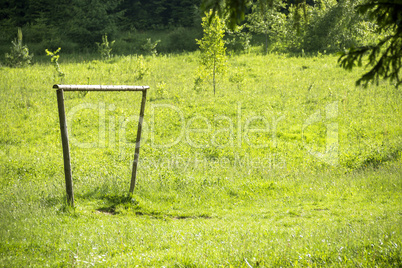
(212, 47)
(233, 10)
(267, 20)
(87, 21)
(159, 14)
(385, 56)
(334, 26)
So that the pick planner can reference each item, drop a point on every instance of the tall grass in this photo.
(232, 180)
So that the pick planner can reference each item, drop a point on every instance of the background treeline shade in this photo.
(159, 14)
(285, 26)
(141, 14)
(85, 21)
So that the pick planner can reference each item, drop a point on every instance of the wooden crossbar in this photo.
(100, 88)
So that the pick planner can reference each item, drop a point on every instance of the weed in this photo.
(55, 61)
(141, 69)
(105, 48)
(150, 47)
(161, 89)
(237, 78)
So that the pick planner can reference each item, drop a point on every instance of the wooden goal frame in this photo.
(64, 134)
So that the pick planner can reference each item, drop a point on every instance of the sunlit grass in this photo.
(231, 180)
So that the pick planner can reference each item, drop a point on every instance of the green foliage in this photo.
(174, 40)
(160, 14)
(233, 10)
(329, 26)
(76, 25)
(384, 56)
(54, 59)
(19, 55)
(85, 23)
(268, 20)
(237, 77)
(161, 89)
(149, 48)
(141, 68)
(198, 84)
(212, 46)
(293, 26)
(182, 39)
(238, 39)
(105, 48)
(335, 26)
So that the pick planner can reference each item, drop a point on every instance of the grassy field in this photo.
(288, 165)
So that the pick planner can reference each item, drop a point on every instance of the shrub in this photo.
(333, 28)
(183, 39)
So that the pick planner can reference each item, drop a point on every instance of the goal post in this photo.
(64, 133)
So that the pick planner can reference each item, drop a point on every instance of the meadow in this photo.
(289, 165)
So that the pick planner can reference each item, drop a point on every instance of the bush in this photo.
(183, 39)
(333, 28)
(130, 43)
(328, 26)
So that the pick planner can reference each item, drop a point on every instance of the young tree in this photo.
(212, 46)
(19, 55)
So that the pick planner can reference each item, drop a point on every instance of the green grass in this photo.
(234, 180)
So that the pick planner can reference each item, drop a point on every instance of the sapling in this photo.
(19, 55)
(212, 46)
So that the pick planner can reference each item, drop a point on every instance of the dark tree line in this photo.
(85, 21)
(145, 14)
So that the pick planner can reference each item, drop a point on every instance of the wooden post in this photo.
(66, 149)
(138, 142)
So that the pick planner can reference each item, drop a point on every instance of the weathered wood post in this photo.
(138, 142)
(66, 149)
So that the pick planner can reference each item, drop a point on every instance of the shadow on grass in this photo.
(125, 204)
(116, 204)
